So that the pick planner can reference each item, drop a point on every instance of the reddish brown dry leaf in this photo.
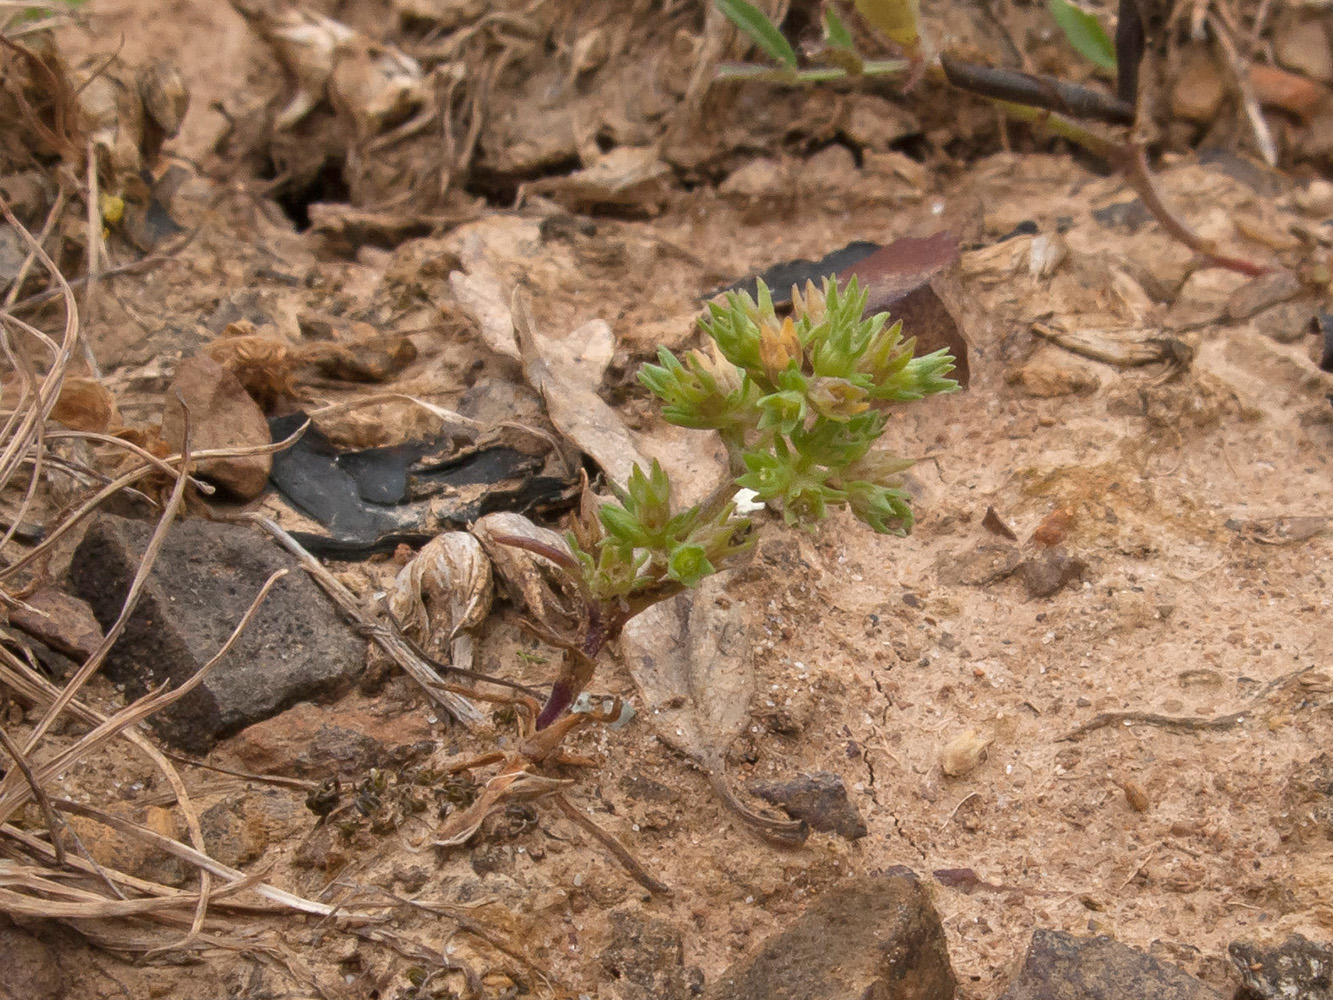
(85, 404)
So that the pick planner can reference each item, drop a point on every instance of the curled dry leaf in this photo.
(536, 584)
(85, 404)
(443, 592)
(963, 754)
(568, 371)
(505, 787)
(691, 662)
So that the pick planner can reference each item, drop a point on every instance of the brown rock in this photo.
(239, 829)
(820, 799)
(1199, 88)
(64, 623)
(33, 970)
(914, 279)
(1259, 293)
(1051, 572)
(222, 415)
(877, 936)
(1060, 966)
(321, 741)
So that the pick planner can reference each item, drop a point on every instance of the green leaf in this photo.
(1085, 33)
(688, 564)
(761, 30)
(836, 34)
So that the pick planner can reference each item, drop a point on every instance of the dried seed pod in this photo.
(538, 584)
(963, 754)
(445, 590)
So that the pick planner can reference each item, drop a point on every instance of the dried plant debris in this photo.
(1128, 347)
(691, 662)
(442, 595)
(371, 500)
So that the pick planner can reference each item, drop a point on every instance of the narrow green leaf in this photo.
(836, 34)
(761, 30)
(1085, 33)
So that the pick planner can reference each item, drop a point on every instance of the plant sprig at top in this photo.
(799, 403)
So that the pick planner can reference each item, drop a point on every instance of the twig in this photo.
(1184, 724)
(613, 845)
(95, 248)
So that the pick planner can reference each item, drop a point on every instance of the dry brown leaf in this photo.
(533, 582)
(222, 415)
(85, 404)
(568, 371)
(691, 662)
(443, 592)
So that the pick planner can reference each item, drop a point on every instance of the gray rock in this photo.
(296, 648)
(1060, 966)
(1297, 969)
(877, 936)
(820, 799)
(646, 959)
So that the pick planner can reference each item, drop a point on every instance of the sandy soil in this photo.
(871, 655)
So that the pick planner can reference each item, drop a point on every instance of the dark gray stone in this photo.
(296, 648)
(1060, 966)
(820, 799)
(1297, 969)
(876, 937)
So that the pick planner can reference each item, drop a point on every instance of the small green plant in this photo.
(800, 402)
(836, 56)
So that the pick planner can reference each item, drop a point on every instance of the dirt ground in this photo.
(1191, 492)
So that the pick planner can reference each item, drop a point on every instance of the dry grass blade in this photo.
(171, 463)
(11, 796)
(23, 433)
(21, 761)
(94, 662)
